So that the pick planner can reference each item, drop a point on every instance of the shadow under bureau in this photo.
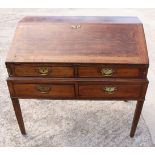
(89, 57)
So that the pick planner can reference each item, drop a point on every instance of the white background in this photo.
(77, 3)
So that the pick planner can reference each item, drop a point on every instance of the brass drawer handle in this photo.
(75, 26)
(107, 72)
(43, 71)
(110, 90)
(44, 89)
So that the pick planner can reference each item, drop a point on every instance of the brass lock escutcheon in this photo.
(44, 89)
(75, 26)
(43, 71)
(107, 72)
(110, 90)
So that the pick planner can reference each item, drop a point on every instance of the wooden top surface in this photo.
(112, 40)
(82, 19)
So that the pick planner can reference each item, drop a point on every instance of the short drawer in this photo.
(109, 91)
(43, 71)
(99, 71)
(59, 91)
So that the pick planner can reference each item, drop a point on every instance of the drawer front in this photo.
(109, 91)
(98, 71)
(44, 90)
(44, 71)
(77, 89)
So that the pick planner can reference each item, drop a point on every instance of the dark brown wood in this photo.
(95, 71)
(99, 58)
(17, 109)
(122, 91)
(100, 41)
(81, 80)
(64, 70)
(44, 90)
(137, 114)
(82, 19)
(53, 71)
(76, 88)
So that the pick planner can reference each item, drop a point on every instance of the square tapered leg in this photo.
(18, 114)
(137, 114)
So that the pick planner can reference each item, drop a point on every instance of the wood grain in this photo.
(97, 42)
(96, 71)
(122, 91)
(53, 90)
(52, 71)
(88, 88)
(18, 113)
(66, 58)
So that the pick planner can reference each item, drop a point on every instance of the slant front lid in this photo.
(112, 40)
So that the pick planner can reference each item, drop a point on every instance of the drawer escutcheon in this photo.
(75, 26)
(107, 72)
(43, 71)
(110, 90)
(44, 89)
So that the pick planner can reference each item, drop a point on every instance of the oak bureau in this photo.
(78, 57)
